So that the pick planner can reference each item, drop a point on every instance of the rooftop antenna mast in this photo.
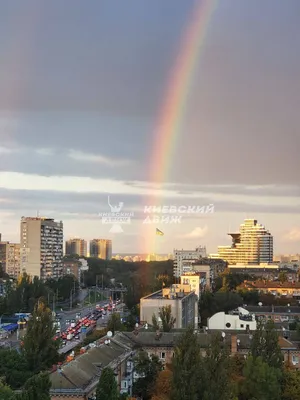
(38, 214)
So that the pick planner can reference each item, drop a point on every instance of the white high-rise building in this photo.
(252, 245)
(41, 247)
(184, 259)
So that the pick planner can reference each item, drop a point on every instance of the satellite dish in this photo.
(109, 334)
(260, 304)
(223, 334)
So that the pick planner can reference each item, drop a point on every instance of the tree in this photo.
(186, 367)
(147, 367)
(114, 323)
(265, 345)
(166, 317)
(37, 388)
(39, 348)
(107, 388)
(291, 384)
(5, 392)
(14, 368)
(282, 277)
(262, 382)
(211, 303)
(216, 371)
(163, 385)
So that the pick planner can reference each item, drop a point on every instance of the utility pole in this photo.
(71, 299)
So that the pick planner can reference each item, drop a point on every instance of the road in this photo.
(67, 316)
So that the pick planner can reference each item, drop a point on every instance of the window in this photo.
(163, 355)
(242, 326)
(295, 360)
(228, 325)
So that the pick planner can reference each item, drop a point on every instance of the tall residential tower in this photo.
(41, 247)
(101, 248)
(76, 246)
(252, 245)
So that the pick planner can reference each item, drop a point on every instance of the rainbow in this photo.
(170, 120)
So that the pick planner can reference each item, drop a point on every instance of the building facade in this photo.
(184, 259)
(71, 267)
(242, 320)
(286, 289)
(41, 247)
(252, 245)
(10, 258)
(12, 267)
(183, 302)
(76, 246)
(101, 248)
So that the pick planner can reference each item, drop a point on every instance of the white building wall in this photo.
(225, 322)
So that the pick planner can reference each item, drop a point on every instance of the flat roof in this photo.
(159, 295)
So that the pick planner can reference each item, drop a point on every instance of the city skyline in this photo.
(79, 112)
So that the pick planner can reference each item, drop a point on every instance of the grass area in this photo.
(94, 297)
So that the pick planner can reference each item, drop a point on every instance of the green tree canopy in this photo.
(167, 319)
(261, 382)
(5, 392)
(216, 371)
(39, 348)
(265, 345)
(148, 368)
(186, 367)
(114, 323)
(291, 384)
(37, 388)
(107, 388)
(14, 368)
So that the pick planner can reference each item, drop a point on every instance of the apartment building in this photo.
(101, 248)
(181, 298)
(287, 289)
(163, 344)
(10, 258)
(41, 247)
(76, 246)
(253, 244)
(184, 259)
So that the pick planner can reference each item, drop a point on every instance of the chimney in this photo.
(233, 344)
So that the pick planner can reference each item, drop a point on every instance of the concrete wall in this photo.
(224, 321)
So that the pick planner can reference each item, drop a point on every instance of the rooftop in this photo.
(169, 339)
(159, 295)
(270, 285)
(86, 368)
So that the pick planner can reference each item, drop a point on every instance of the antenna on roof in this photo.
(37, 214)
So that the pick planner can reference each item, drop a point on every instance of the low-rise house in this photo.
(279, 314)
(78, 378)
(288, 289)
(162, 344)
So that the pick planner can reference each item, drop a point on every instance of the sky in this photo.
(82, 88)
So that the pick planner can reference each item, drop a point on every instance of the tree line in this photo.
(21, 295)
(27, 369)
